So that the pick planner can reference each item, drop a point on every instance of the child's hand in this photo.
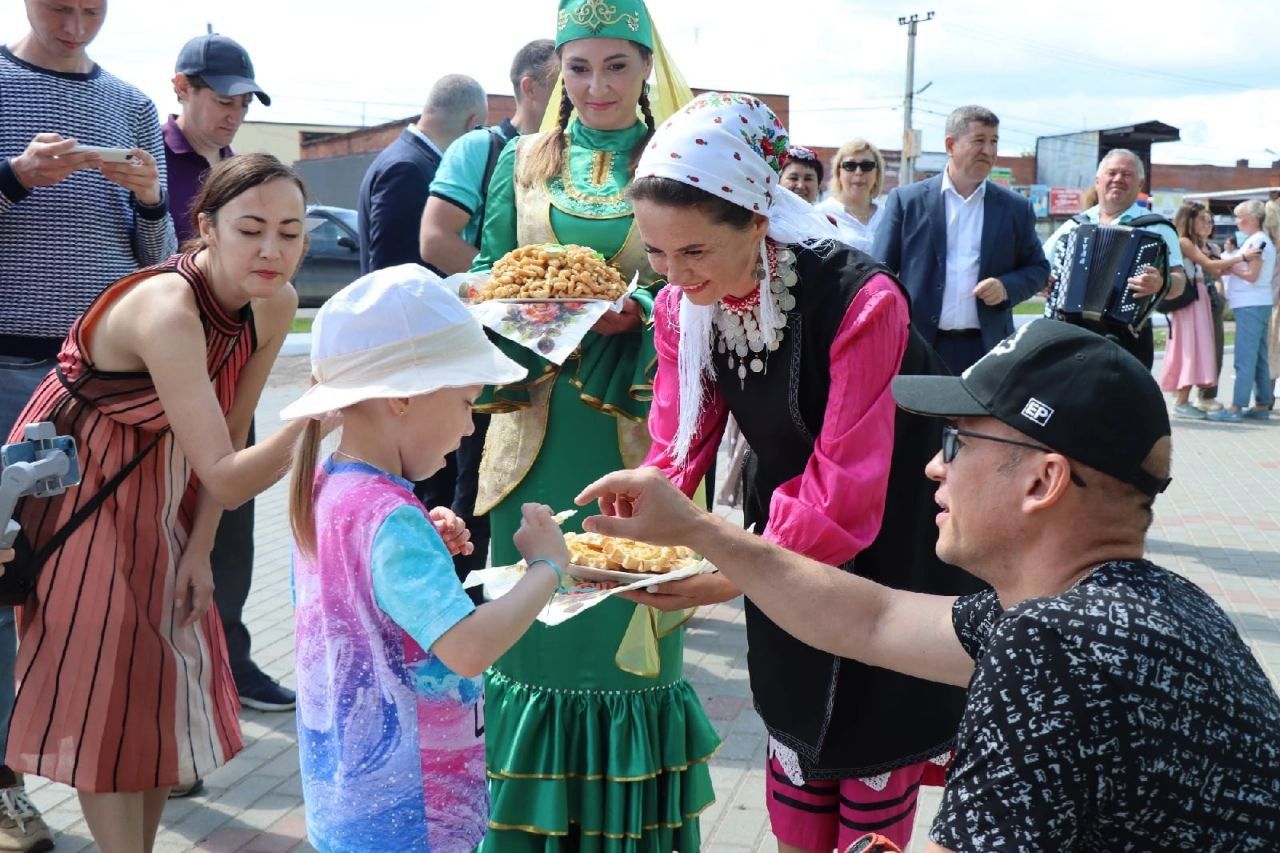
(539, 537)
(6, 554)
(453, 530)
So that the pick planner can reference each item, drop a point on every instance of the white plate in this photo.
(586, 573)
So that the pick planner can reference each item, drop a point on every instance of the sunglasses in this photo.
(858, 165)
(951, 445)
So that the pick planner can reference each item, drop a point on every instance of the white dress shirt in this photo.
(964, 244)
(417, 131)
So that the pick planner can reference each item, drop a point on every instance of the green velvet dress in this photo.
(581, 754)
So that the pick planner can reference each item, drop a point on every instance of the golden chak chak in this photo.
(595, 551)
(548, 271)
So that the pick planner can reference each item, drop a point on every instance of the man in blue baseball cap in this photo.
(221, 63)
(214, 82)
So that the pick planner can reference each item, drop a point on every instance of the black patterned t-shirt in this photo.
(1124, 714)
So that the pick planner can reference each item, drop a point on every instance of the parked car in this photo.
(333, 256)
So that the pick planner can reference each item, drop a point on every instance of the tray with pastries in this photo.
(549, 272)
(594, 557)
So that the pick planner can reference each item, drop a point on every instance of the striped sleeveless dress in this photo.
(113, 694)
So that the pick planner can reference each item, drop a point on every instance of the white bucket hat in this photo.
(396, 332)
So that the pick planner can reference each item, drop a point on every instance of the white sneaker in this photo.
(21, 827)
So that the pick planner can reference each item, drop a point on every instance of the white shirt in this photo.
(417, 131)
(1249, 294)
(964, 245)
(851, 229)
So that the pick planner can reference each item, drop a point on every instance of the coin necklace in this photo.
(741, 340)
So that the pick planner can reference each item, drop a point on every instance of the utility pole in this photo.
(906, 172)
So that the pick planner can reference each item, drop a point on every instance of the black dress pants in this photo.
(232, 561)
(455, 486)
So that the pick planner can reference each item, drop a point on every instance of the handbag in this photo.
(22, 572)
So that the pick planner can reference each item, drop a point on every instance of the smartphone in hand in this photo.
(108, 155)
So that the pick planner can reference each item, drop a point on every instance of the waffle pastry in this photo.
(550, 271)
(595, 551)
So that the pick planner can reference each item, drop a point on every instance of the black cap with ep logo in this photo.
(223, 64)
(1067, 388)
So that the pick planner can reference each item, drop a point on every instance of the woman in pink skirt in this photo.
(1189, 358)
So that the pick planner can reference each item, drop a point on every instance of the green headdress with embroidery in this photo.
(604, 19)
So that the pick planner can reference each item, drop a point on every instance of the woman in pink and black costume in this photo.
(797, 336)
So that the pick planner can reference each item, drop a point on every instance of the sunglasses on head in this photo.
(858, 165)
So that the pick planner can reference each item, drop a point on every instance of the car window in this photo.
(325, 237)
(348, 217)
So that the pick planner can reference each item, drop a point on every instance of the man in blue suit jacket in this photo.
(395, 187)
(965, 248)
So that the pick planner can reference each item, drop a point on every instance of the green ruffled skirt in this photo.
(580, 753)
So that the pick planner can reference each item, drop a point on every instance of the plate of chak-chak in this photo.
(549, 272)
(609, 559)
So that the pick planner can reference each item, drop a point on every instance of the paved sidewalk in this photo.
(1219, 524)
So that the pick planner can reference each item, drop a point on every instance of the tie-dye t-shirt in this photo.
(391, 741)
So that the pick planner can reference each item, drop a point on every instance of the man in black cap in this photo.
(1111, 703)
(213, 80)
(215, 84)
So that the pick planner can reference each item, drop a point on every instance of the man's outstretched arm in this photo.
(818, 604)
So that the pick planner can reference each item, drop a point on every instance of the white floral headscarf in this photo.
(733, 147)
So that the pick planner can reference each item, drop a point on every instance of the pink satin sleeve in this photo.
(832, 510)
(664, 413)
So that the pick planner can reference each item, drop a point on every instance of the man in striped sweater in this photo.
(70, 224)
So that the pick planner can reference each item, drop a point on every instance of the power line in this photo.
(1015, 129)
(1041, 49)
(1092, 147)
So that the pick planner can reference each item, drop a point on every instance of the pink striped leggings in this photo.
(827, 815)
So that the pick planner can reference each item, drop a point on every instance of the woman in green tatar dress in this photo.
(595, 741)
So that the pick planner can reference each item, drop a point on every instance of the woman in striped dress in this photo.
(124, 687)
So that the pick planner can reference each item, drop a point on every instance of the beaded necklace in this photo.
(737, 321)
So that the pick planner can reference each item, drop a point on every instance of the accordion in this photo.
(1097, 262)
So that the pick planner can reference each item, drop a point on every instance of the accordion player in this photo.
(1096, 263)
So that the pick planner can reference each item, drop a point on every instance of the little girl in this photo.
(389, 647)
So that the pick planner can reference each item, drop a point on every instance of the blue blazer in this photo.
(912, 241)
(392, 196)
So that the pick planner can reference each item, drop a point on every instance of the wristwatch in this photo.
(152, 212)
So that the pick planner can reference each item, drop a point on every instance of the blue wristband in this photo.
(555, 568)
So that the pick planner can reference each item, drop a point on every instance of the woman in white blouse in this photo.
(857, 175)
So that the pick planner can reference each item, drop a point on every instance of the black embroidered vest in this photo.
(843, 718)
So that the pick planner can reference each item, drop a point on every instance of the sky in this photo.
(1044, 67)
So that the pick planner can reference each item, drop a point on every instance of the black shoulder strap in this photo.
(497, 141)
(26, 571)
(1148, 219)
